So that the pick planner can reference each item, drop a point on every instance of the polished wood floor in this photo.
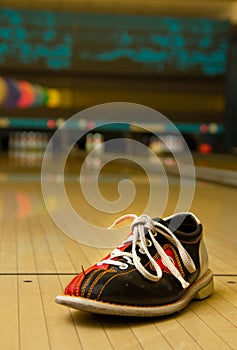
(37, 260)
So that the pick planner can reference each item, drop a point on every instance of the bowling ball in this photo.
(3, 90)
(27, 96)
(13, 93)
(53, 98)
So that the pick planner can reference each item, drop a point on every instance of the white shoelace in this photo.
(139, 237)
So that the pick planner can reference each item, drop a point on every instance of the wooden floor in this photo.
(37, 260)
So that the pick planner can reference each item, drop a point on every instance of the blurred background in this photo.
(59, 57)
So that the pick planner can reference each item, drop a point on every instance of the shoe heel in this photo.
(204, 292)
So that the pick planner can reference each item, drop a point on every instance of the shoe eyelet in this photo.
(123, 266)
(154, 234)
(141, 250)
(129, 260)
(148, 242)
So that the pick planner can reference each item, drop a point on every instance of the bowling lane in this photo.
(37, 260)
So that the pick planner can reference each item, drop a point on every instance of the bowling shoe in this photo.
(157, 270)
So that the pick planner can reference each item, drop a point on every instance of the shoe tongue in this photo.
(161, 221)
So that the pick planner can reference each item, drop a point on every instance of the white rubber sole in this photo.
(201, 289)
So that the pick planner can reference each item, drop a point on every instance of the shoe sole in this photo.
(199, 290)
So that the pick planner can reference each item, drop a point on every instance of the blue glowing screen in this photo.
(107, 44)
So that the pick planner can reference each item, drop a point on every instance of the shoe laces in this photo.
(144, 232)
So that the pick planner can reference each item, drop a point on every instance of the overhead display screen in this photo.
(95, 43)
